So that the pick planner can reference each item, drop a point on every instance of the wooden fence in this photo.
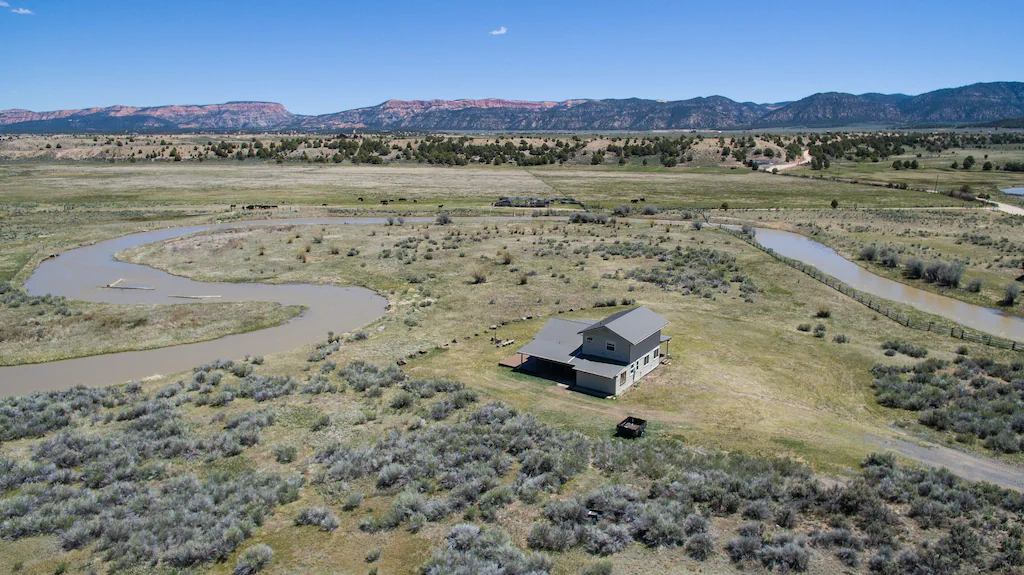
(954, 331)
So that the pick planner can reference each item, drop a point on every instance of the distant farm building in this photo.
(601, 357)
(507, 202)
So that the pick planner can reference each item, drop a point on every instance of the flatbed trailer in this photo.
(631, 427)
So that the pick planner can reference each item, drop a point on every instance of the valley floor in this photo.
(742, 377)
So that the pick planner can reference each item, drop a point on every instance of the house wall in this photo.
(633, 373)
(644, 347)
(595, 382)
(598, 347)
(638, 369)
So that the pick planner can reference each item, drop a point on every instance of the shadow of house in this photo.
(603, 357)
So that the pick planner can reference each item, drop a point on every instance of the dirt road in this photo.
(789, 166)
(1005, 208)
(1008, 208)
(966, 465)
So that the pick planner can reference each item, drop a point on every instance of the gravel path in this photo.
(966, 465)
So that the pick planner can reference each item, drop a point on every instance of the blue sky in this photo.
(318, 57)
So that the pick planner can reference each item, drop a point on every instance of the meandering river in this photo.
(988, 320)
(81, 273)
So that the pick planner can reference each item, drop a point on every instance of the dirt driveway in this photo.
(966, 465)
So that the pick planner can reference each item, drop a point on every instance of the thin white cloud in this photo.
(498, 32)
(22, 11)
(4, 4)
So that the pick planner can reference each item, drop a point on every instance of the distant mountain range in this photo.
(988, 103)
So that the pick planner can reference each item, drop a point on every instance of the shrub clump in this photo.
(321, 517)
(253, 559)
(587, 218)
(285, 453)
(472, 549)
(702, 271)
(904, 347)
(941, 273)
(464, 458)
(980, 400)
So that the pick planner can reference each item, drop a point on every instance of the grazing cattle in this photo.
(440, 206)
(360, 199)
(383, 202)
(415, 201)
(633, 201)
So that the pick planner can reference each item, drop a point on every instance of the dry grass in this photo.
(742, 376)
(990, 244)
(936, 167)
(424, 187)
(26, 336)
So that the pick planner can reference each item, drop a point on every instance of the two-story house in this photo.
(604, 357)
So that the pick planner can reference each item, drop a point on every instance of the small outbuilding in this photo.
(603, 357)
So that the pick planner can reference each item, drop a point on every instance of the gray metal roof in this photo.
(560, 341)
(633, 325)
(601, 368)
(557, 341)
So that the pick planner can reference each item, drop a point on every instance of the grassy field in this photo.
(29, 233)
(423, 188)
(34, 330)
(741, 377)
(989, 244)
(937, 167)
(38, 332)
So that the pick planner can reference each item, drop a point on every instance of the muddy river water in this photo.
(81, 273)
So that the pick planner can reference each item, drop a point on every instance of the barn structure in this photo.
(603, 357)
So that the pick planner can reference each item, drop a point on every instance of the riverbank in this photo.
(988, 244)
(36, 331)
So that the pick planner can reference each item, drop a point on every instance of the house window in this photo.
(647, 359)
(622, 378)
(590, 339)
(609, 345)
(656, 350)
